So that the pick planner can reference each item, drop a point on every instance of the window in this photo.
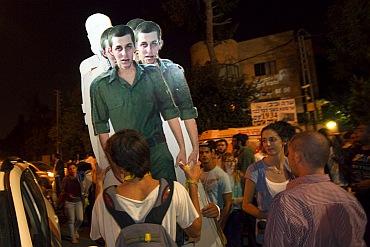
(267, 68)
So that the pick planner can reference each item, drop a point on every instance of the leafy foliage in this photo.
(74, 136)
(222, 102)
(349, 54)
(190, 15)
(35, 134)
(349, 36)
(359, 100)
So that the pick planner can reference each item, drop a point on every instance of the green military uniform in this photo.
(176, 81)
(137, 106)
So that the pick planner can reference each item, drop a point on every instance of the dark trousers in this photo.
(58, 184)
(240, 229)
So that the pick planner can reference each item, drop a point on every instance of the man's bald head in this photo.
(312, 147)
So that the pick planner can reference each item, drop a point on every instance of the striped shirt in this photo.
(313, 211)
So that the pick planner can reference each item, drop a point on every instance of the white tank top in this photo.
(275, 188)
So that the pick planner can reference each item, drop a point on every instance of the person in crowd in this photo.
(234, 225)
(335, 157)
(220, 152)
(59, 172)
(221, 147)
(242, 152)
(313, 211)
(269, 176)
(149, 42)
(215, 181)
(357, 162)
(129, 156)
(71, 195)
(134, 96)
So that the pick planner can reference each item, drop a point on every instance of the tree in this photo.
(222, 102)
(213, 20)
(349, 54)
(349, 36)
(359, 100)
(74, 134)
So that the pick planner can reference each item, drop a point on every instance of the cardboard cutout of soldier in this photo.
(91, 68)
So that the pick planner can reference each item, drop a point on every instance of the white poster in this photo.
(268, 112)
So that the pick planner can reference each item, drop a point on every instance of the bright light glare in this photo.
(331, 125)
(50, 174)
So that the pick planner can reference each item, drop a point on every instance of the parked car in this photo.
(44, 172)
(27, 218)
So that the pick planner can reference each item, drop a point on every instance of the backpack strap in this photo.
(122, 218)
(159, 210)
(155, 215)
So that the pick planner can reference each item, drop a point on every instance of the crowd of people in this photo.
(148, 171)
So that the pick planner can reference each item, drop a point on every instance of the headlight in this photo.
(50, 174)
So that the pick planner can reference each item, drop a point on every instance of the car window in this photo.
(43, 167)
(35, 209)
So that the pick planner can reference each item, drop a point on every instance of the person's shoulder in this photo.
(180, 191)
(102, 78)
(220, 171)
(174, 68)
(149, 68)
(256, 166)
(166, 62)
(178, 186)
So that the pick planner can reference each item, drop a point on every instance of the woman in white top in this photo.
(269, 176)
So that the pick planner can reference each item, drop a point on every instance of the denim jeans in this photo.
(74, 212)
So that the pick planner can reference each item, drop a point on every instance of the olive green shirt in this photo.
(176, 81)
(245, 158)
(137, 106)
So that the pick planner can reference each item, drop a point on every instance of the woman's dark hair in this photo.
(71, 164)
(285, 130)
(129, 150)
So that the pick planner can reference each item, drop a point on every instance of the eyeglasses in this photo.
(271, 139)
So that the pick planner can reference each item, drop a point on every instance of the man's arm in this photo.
(225, 212)
(211, 211)
(192, 174)
(176, 81)
(176, 130)
(99, 108)
(277, 228)
(191, 127)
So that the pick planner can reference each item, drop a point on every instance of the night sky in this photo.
(44, 41)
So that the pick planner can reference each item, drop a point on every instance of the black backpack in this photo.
(148, 233)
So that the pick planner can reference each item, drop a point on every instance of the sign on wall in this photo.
(268, 112)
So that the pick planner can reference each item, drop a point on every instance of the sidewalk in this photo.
(84, 232)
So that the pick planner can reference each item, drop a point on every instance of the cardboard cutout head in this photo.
(95, 25)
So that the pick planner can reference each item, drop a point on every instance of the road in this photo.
(85, 240)
(84, 232)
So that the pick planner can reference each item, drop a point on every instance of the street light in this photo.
(331, 126)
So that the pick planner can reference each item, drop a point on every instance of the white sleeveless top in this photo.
(274, 187)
